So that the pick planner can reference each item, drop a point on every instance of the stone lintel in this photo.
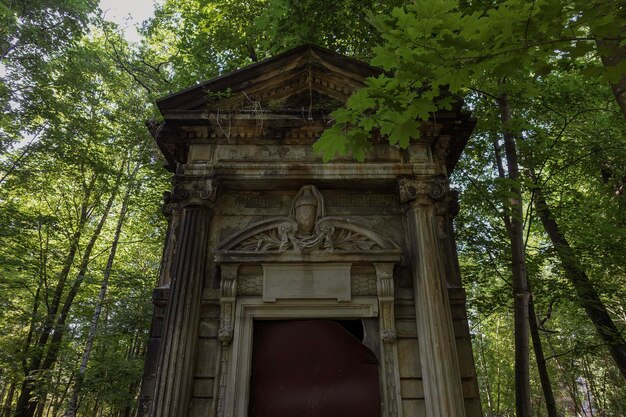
(354, 258)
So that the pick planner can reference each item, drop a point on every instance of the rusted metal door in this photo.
(311, 368)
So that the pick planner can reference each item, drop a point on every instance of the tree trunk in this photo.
(71, 409)
(43, 259)
(41, 407)
(483, 363)
(612, 55)
(134, 387)
(4, 390)
(518, 266)
(592, 393)
(59, 329)
(544, 376)
(585, 291)
(6, 409)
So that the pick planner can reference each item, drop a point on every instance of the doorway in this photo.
(312, 368)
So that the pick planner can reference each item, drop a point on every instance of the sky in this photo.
(128, 14)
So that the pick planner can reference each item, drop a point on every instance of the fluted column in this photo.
(179, 337)
(443, 392)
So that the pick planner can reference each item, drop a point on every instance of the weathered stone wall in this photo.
(207, 357)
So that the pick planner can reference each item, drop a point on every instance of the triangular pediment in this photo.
(285, 99)
(306, 77)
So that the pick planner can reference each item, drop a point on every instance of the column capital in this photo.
(423, 191)
(170, 206)
(449, 205)
(190, 191)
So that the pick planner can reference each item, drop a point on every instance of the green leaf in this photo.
(401, 134)
(458, 79)
(432, 8)
(361, 100)
(384, 57)
(358, 144)
(615, 73)
(331, 143)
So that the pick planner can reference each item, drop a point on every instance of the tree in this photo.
(32, 33)
(93, 118)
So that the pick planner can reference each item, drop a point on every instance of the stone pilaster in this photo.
(443, 392)
(179, 338)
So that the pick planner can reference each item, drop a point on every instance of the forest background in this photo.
(542, 226)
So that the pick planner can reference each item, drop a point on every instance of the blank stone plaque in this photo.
(306, 281)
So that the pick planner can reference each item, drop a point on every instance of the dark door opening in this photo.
(312, 368)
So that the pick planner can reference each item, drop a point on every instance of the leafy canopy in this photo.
(434, 50)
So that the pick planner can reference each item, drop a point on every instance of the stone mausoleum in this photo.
(291, 287)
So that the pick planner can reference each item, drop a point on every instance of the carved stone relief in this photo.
(390, 375)
(307, 229)
(228, 296)
(186, 192)
(250, 285)
(200, 190)
(363, 285)
(284, 246)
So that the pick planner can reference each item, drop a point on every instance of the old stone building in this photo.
(290, 286)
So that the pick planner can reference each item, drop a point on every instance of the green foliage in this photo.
(433, 45)
(190, 41)
(89, 117)
(545, 57)
(338, 25)
(31, 33)
(573, 136)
